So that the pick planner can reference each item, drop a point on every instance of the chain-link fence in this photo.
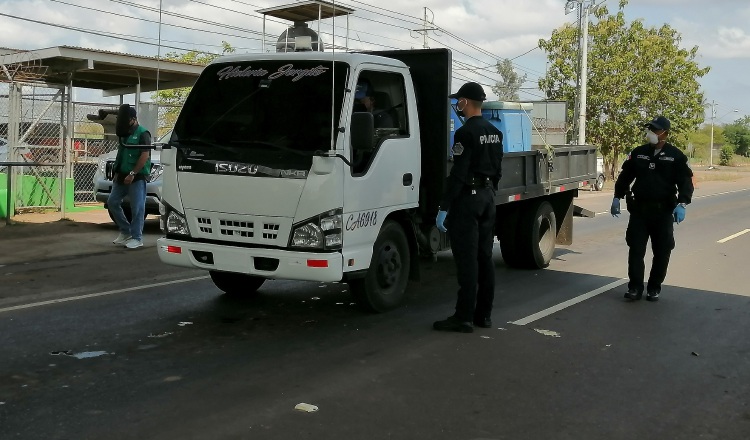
(34, 127)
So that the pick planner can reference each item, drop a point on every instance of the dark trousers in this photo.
(470, 225)
(659, 227)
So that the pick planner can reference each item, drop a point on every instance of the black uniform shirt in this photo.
(657, 178)
(477, 152)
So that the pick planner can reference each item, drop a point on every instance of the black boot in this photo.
(453, 324)
(634, 294)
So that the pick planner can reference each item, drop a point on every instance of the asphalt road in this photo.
(144, 351)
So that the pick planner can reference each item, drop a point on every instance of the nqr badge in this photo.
(457, 149)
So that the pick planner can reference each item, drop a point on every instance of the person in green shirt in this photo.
(131, 170)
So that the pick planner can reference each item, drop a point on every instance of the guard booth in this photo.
(36, 90)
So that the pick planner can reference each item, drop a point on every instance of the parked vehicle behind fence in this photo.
(104, 174)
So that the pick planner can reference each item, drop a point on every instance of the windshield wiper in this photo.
(206, 143)
(275, 145)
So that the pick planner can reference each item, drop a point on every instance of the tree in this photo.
(635, 73)
(507, 88)
(173, 99)
(738, 134)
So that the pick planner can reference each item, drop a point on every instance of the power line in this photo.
(156, 22)
(121, 37)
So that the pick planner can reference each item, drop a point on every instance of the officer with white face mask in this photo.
(661, 188)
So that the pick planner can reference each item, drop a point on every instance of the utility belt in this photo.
(478, 182)
(648, 206)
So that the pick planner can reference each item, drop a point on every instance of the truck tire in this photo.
(538, 233)
(384, 285)
(507, 234)
(236, 284)
(599, 184)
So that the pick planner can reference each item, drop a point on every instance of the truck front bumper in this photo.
(266, 263)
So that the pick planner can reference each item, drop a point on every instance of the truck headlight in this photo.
(320, 232)
(176, 224)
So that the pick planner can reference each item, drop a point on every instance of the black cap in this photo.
(470, 90)
(659, 123)
(131, 112)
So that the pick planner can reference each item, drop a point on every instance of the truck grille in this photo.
(240, 228)
(236, 228)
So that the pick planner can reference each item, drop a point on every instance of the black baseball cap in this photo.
(659, 123)
(470, 90)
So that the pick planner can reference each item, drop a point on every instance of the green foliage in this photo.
(738, 134)
(175, 98)
(634, 73)
(727, 153)
(510, 83)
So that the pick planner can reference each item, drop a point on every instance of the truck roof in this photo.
(352, 58)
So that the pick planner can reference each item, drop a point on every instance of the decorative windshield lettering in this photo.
(285, 70)
(238, 72)
(298, 74)
(361, 220)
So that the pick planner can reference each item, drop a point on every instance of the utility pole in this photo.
(425, 29)
(711, 148)
(713, 117)
(583, 7)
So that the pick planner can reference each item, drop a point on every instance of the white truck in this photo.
(272, 172)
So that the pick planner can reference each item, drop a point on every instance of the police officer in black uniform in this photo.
(469, 205)
(663, 187)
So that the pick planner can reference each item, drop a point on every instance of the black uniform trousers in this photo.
(656, 224)
(470, 227)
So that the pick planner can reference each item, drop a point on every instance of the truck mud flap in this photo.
(582, 212)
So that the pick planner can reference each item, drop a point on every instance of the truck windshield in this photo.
(251, 110)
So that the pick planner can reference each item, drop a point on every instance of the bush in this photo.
(726, 156)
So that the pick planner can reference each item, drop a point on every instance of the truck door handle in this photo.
(407, 179)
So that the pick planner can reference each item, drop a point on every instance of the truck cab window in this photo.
(383, 95)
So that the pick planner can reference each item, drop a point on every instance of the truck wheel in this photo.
(384, 285)
(507, 234)
(236, 284)
(599, 184)
(538, 235)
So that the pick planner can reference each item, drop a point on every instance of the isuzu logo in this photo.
(236, 168)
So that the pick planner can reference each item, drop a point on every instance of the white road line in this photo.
(724, 240)
(563, 305)
(94, 295)
(722, 193)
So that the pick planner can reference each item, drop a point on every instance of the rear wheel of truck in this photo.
(538, 233)
(384, 286)
(236, 284)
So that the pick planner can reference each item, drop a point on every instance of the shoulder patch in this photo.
(457, 149)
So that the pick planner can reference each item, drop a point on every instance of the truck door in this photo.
(387, 175)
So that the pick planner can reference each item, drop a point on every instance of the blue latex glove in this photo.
(440, 220)
(679, 213)
(615, 209)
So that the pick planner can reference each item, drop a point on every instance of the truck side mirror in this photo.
(362, 131)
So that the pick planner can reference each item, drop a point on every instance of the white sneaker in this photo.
(133, 243)
(121, 239)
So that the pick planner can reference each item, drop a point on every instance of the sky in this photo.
(479, 32)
